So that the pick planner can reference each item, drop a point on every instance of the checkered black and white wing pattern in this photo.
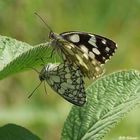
(65, 80)
(88, 51)
(94, 46)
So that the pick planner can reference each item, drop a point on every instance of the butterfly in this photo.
(65, 80)
(86, 50)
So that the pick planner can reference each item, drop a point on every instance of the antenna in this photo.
(45, 88)
(34, 90)
(48, 27)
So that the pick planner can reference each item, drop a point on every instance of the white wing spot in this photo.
(81, 95)
(56, 78)
(61, 91)
(96, 51)
(70, 95)
(103, 58)
(92, 41)
(68, 75)
(74, 38)
(84, 48)
(107, 49)
(85, 55)
(68, 46)
(70, 50)
(72, 46)
(74, 92)
(97, 69)
(81, 61)
(65, 85)
(103, 41)
(94, 62)
(106, 60)
(91, 55)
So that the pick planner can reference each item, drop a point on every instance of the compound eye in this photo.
(51, 35)
(41, 78)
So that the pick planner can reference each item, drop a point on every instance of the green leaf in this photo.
(15, 132)
(16, 56)
(109, 99)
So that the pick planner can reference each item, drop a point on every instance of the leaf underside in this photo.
(109, 100)
(16, 56)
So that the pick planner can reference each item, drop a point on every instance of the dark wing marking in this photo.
(102, 47)
(68, 82)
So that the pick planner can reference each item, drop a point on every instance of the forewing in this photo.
(92, 45)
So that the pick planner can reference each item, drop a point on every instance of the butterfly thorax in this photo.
(43, 74)
(46, 71)
(54, 36)
(57, 43)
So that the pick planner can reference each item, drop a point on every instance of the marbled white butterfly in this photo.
(86, 50)
(66, 80)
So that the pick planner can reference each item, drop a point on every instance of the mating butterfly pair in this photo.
(83, 55)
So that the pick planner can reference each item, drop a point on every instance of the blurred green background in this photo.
(45, 115)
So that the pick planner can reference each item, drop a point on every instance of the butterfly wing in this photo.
(92, 45)
(90, 51)
(85, 50)
(68, 82)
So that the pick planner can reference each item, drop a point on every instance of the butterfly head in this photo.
(54, 36)
(43, 73)
(42, 77)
